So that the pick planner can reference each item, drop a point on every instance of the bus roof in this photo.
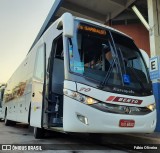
(92, 22)
(86, 20)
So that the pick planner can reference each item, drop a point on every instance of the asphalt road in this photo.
(67, 143)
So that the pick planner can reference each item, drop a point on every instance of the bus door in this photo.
(55, 81)
(38, 85)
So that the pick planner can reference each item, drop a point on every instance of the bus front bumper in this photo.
(78, 117)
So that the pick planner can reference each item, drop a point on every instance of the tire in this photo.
(13, 123)
(38, 133)
(1, 120)
(95, 137)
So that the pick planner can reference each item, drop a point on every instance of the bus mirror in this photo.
(66, 22)
(145, 57)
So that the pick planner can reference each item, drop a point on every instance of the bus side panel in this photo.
(12, 110)
(18, 91)
(36, 104)
(22, 107)
(29, 87)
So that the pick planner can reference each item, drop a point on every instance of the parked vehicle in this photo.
(68, 83)
(2, 88)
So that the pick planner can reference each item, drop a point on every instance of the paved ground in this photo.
(65, 143)
(57, 142)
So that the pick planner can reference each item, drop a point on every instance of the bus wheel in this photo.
(1, 120)
(38, 133)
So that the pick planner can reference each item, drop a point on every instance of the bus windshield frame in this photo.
(109, 58)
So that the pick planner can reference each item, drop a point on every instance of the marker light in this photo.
(152, 107)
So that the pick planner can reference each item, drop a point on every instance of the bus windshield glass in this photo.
(107, 57)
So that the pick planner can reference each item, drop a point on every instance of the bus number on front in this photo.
(85, 89)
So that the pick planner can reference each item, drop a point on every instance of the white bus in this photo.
(2, 88)
(67, 82)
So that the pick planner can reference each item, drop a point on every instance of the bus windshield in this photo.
(107, 57)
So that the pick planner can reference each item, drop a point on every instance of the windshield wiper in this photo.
(106, 78)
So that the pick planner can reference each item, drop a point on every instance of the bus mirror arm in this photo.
(70, 41)
(68, 29)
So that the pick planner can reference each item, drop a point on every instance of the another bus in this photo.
(65, 83)
(2, 88)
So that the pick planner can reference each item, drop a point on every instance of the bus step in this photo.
(56, 122)
(51, 112)
(56, 125)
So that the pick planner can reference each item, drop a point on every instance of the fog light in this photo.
(151, 107)
(83, 119)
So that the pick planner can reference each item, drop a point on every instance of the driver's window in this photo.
(59, 48)
(95, 53)
(90, 51)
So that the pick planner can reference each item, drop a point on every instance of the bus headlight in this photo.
(90, 101)
(152, 107)
(79, 97)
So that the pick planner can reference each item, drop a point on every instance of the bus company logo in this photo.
(124, 100)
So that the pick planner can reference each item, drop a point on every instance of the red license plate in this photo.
(126, 123)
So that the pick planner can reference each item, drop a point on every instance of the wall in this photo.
(138, 32)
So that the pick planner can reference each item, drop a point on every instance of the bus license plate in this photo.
(126, 123)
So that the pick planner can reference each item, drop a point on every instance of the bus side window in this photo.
(39, 67)
(59, 48)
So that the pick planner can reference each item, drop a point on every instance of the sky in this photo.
(20, 22)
